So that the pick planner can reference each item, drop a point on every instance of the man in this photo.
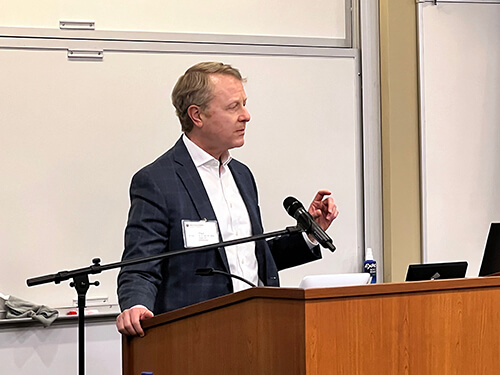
(197, 185)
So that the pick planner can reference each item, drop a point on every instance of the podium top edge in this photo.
(317, 294)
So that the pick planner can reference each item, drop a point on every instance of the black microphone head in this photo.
(291, 205)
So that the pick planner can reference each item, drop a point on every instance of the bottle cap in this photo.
(369, 254)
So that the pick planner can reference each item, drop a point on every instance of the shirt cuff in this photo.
(144, 307)
(309, 243)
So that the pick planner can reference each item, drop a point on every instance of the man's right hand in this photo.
(129, 321)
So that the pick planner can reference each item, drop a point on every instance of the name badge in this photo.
(200, 233)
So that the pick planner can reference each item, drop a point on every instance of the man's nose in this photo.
(245, 116)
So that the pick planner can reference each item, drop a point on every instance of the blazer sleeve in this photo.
(146, 234)
(290, 251)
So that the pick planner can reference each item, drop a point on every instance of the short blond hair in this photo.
(195, 88)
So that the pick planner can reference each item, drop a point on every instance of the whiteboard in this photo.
(74, 132)
(328, 19)
(460, 129)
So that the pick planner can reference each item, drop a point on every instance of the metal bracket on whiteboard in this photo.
(76, 25)
(85, 55)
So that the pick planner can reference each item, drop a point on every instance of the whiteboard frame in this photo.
(9, 39)
(421, 105)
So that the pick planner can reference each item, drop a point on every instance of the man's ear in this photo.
(195, 113)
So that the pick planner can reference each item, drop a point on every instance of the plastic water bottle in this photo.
(370, 265)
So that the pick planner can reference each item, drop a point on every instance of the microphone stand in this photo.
(81, 282)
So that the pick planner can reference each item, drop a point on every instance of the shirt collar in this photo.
(201, 157)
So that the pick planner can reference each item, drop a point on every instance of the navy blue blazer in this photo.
(164, 193)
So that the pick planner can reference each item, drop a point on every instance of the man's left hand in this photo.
(323, 209)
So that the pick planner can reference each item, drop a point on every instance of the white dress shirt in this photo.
(230, 210)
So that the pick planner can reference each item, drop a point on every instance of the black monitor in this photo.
(491, 256)
(436, 271)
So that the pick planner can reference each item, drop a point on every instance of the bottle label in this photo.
(370, 266)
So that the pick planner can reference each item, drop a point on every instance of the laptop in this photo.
(436, 271)
(491, 256)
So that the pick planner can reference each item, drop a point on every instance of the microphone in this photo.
(211, 272)
(307, 223)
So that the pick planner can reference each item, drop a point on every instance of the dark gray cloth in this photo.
(18, 308)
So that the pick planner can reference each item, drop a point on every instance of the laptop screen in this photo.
(436, 271)
(491, 256)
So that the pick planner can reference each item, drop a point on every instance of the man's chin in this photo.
(238, 144)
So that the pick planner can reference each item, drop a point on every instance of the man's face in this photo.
(225, 119)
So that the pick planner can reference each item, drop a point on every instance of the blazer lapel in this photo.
(247, 190)
(186, 170)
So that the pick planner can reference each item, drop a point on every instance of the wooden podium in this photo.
(419, 328)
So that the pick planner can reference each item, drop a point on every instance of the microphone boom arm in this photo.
(97, 268)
